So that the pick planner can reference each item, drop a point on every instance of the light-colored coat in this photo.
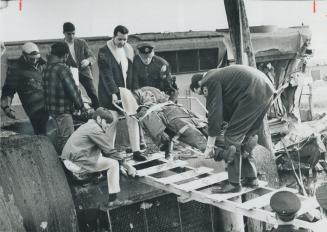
(84, 146)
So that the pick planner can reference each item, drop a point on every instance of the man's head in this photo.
(286, 204)
(60, 49)
(69, 31)
(120, 36)
(195, 85)
(103, 117)
(145, 49)
(31, 52)
(321, 195)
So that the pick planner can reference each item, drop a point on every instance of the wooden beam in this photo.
(307, 205)
(233, 19)
(203, 182)
(261, 201)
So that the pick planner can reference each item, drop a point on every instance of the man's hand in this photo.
(84, 113)
(114, 97)
(85, 63)
(9, 112)
(208, 153)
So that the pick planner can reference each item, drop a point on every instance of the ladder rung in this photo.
(160, 168)
(260, 201)
(226, 196)
(185, 175)
(199, 183)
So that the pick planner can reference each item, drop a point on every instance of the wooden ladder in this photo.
(196, 184)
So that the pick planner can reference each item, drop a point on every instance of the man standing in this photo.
(62, 96)
(239, 95)
(81, 57)
(285, 204)
(115, 70)
(152, 70)
(25, 78)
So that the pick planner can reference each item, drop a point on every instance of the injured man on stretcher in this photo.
(167, 122)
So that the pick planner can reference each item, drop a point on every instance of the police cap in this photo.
(285, 204)
(145, 47)
(321, 195)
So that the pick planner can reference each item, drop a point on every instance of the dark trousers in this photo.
(39, 122)
(65, 128)
(90, 90)
(241, 167)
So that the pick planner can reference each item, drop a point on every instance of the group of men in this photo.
(48, 89)
(237, 96)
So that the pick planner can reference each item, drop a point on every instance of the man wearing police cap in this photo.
(285, 204)
(152, 70)
(321, 195)
(24, 77)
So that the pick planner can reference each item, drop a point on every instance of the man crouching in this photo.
(88, 151)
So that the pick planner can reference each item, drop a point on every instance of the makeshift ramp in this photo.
(196, 183)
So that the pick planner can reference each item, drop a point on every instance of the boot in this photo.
(138, 156)
(250, 182)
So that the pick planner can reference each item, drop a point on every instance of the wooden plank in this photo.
(320, 225)
(206, 181)
(308, 205)
(160, 168)
(185, 175)
(154, 156)
(225, 196)
(261, 201)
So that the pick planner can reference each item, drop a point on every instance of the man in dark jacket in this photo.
(152, 70)
(25, 78)
(239, 95)
(115, 71)
(81, 57)
(62, 97)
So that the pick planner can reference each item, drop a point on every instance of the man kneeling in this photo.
(88, 151)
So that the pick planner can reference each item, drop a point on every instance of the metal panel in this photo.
(128, 218)
(195, 217)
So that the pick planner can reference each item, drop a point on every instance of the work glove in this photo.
(227, 155)
(248, 146)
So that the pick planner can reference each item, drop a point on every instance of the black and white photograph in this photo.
(163, 116)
